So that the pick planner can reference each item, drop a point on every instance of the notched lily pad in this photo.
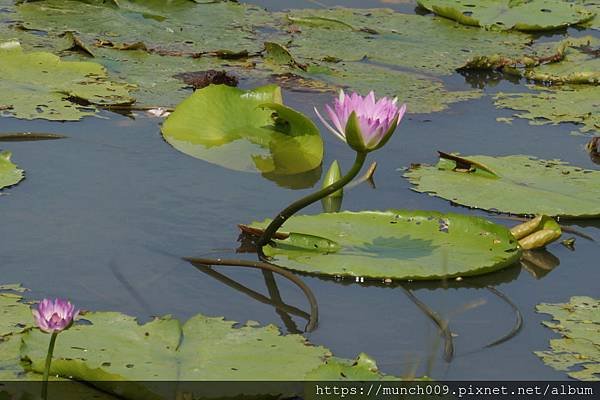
(521, 185)
(114, 347)
(398, 244)
(245, 130)
(575, 104)
(578, 351)
(530, 15)
(10, 174)
(41, 85)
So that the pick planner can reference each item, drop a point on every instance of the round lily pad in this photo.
(245, 130)
(396, 244)
(516, 184)
(531, 15)
(9, 173)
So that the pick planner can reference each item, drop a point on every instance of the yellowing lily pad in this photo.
(578, 350)
(516, 184)
(395, 244)
(41, 85)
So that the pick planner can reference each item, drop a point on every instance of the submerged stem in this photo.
(311, 198)
(47, 367)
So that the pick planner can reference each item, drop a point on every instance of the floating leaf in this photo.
(245, 130)
(361, 369)
(593, 6)
(397, 244)
(408, 42)
(575, 61)
(391, 53)
(175, 26)
(15, 316)
(531, 15)
(576, 104)
(580, 63)
(146, 43)
(40, 85)
(578, 322)
(115, 347)
(9, 173)
(523, 185)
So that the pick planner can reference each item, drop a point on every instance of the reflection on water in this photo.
(539, 262)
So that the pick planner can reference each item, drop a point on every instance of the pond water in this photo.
(105, 216)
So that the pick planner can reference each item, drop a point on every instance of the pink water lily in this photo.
(54, 316)
(365, 123)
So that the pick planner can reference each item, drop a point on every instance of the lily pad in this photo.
(578, 322)
(114, 347)
(579, 64)
(396, 244)
(148, 43)
(573, 61)
(408, 42)
(15, 316)
(575, 104)
(516, 184)
(41, 85)
(245, 130)
(175, 26)
(9, 173)
(593, 6)
(531, 15)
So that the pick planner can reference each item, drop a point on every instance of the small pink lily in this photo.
(362, 122)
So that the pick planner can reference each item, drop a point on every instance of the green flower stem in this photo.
(311, 198)
(47, 367)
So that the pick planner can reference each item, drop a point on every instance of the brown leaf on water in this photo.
(200, 79)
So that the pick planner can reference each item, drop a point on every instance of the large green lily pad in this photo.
(109, 347)
(41, 85)
(578, 322)
(245, 130)
(10, 174)
(396, 244)
(530, 15)
(576, 104)
(115, 347)
(516, 184)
